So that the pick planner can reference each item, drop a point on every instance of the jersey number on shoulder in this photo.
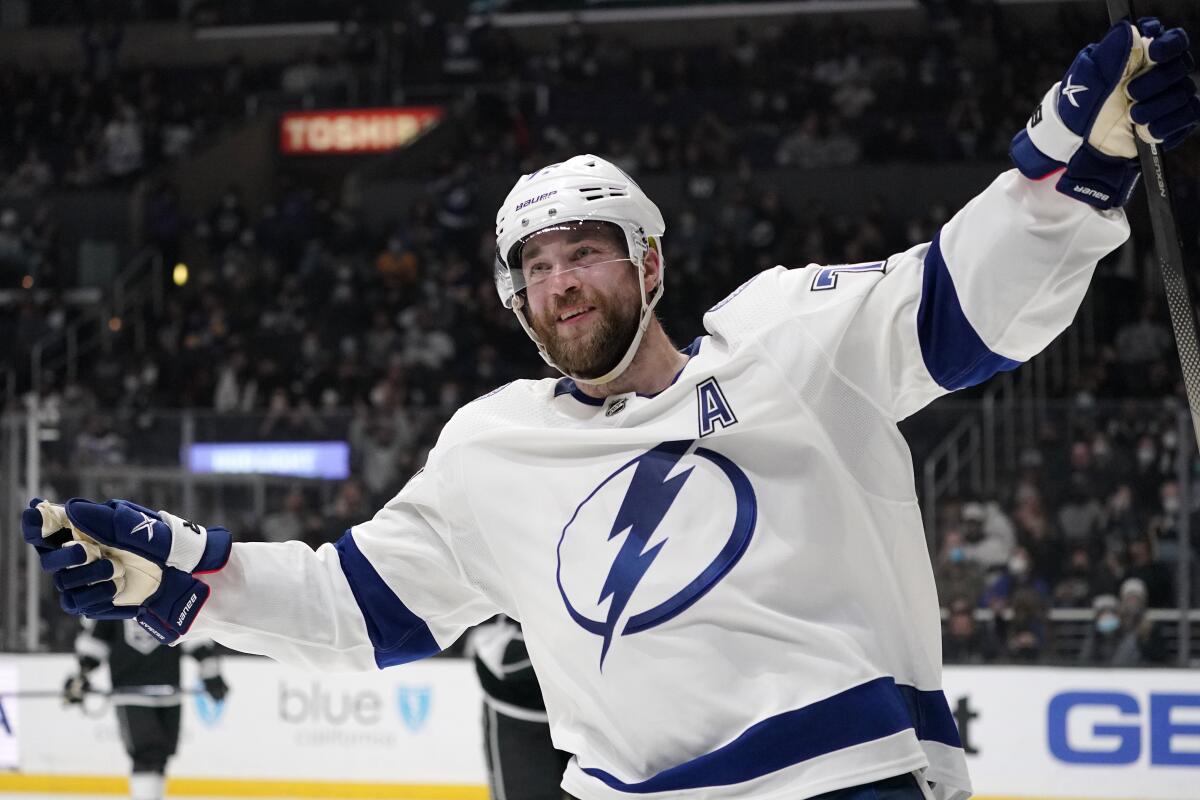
(827, 277)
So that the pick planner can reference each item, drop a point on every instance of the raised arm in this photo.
(1007, 273)
(998, 282)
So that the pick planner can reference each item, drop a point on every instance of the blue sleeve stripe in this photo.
(398, 635)
(858, 715)
(954, 354)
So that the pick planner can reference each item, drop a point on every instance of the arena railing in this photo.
(70, 453)
(1067, 630)
(557, 12)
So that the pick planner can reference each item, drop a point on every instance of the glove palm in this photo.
(120, 560)
(1134, 77)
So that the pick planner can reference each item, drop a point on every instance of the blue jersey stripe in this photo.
(931, 715)
(861, 714)
(399, 635)
(954, 354)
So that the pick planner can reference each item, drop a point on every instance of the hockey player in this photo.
(522, 761)
(145, 690)
(715, 553)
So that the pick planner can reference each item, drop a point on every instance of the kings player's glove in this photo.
(118, 560)
(75, 689)
(1085, 124)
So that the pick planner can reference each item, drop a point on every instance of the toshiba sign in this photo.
(359, 130)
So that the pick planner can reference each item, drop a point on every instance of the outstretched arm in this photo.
(391, 590)
(293, 604)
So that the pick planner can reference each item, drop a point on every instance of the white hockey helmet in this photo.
(581, 189)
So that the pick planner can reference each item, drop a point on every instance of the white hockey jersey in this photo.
(724, 587)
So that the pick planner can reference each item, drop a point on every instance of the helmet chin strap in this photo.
(648, 304)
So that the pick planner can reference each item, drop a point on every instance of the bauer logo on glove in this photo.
(118, 560)
(1085, 124)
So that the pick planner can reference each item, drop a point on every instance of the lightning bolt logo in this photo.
(648, 498)
(647, 501)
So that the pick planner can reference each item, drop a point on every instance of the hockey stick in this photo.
(124, 691)
(1170, 255)
(153, 695)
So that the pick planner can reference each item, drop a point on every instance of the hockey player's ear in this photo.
(652, 267)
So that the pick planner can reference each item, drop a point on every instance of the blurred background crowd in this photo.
(307, 314)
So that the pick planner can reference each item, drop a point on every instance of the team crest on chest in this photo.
(652, 539)
(712, 409)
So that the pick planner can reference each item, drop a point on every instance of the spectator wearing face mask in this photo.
(1018, 575)
(1122, 636)
(1102, 639)
(957, 576)
(988, 534)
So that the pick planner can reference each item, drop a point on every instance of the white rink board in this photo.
(1080, 733)
(418, 723)
(9, 717)
(285, 724)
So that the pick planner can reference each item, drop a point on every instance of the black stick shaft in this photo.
(127, 691)
(1170, 255)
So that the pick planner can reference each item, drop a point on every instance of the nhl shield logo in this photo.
(414, 702)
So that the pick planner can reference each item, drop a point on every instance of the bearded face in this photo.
(582, 299)
(591, 343)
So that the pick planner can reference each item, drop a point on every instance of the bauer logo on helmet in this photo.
(532, 200)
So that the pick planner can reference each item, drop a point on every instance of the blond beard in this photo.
(601, 349)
